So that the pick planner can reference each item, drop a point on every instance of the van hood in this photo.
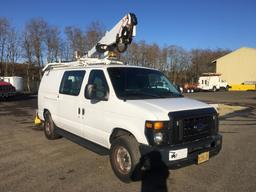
(161, 107)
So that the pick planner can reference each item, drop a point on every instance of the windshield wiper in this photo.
(172, 94)
(143, 93)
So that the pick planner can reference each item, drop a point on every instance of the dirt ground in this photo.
(30, 162)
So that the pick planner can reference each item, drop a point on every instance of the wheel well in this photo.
(45, 110)
(118, 132)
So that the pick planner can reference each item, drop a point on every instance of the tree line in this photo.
(181, 66)
(39, 43)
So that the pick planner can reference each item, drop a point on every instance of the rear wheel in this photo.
(50, 127)
(124, 156)
(214, 89)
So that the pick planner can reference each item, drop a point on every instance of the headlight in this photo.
(158, 138)
(157, 132)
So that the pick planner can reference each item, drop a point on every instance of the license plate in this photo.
(178, 154)
(203, 157)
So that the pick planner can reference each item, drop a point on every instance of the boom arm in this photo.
(118, 38)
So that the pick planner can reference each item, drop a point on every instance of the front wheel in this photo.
(124, 156)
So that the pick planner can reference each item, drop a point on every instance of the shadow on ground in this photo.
(152, 172)
(248, 114)
(20, 97)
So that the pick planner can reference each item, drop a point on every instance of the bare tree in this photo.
(4, 30)
(53, 44)
(76, 40)
(142, 53)
(163, 59)
(13, 50)
(131, 56)
(36, 29)
(178, 61)
(27, 46)
(66, 53)
(93, 34)
(202, 60)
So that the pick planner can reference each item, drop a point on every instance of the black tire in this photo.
(214, 89)
(50, 127)
(131, 147)
(223, 88)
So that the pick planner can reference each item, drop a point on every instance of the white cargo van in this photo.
(128, 110)
(212, 82)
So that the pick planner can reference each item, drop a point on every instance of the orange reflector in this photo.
(149, 125)
(154, 125)
(159, 125)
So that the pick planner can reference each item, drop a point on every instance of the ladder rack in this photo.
(82, 62)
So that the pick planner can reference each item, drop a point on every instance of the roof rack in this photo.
(83, 62)
(211, 74)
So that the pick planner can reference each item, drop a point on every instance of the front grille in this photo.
(191, 125)
(5, 88)
(194, 128)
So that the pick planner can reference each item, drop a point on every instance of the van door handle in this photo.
(83, 111)
(79, 111)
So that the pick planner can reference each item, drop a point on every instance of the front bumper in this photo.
(213, 144)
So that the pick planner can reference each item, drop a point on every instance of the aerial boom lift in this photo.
(114, 41)
(118, 38)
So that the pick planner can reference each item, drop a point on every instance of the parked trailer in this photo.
(16, 81)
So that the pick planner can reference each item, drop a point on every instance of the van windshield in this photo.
(139, 83)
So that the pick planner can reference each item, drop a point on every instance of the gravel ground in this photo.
(30, 162)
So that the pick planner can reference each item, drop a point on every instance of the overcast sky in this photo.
(187, 23)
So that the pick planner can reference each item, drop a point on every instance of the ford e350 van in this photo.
(128, 110)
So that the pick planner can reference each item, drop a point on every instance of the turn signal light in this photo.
(154, 125)
(149, 125)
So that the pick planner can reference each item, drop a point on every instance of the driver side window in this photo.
(98, 79)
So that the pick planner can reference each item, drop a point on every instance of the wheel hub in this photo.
(47, 127)
(123, 160)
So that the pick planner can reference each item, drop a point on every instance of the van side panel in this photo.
(48, 93)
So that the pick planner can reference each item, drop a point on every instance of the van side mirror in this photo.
(94, 93)
(90, 91)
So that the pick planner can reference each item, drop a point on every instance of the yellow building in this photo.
(238, 66)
